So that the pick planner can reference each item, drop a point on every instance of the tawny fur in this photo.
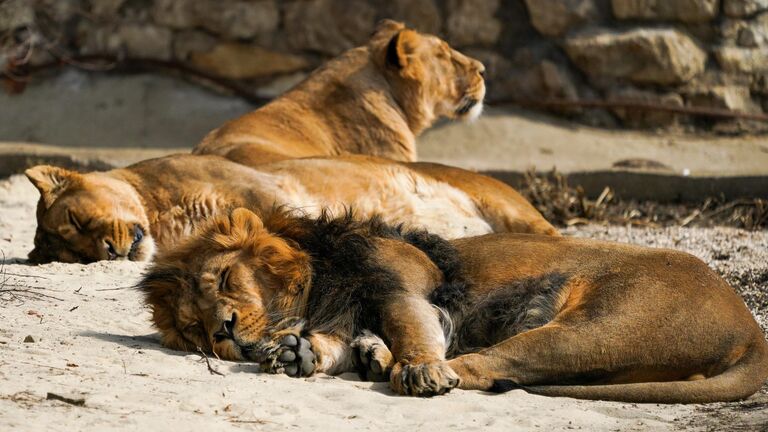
(168, 197)
(571, 317)
(373, 100)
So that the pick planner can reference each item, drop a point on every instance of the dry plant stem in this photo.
(14, 292)
(211, 370)
(566, 206)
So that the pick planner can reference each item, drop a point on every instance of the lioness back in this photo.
(372, 100)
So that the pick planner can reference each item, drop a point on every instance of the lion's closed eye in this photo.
(74, 221)
(224, 280)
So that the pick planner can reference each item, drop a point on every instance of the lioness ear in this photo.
(50, 181)
(400, 48)
(388, 26)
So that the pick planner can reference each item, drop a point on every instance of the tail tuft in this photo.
(504, 386)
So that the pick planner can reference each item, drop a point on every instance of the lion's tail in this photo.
(738, 382)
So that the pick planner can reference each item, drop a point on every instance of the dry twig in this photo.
(564, 205)
(211, 370)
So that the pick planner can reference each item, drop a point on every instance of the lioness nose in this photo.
(113, 253)
(227, 330)
(481, 69)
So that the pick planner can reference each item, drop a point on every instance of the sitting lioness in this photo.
(551, 315)
(374, 100)
(128, 213)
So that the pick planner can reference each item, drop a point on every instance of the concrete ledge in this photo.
(16, 157)
(627, 184)
(662, 188)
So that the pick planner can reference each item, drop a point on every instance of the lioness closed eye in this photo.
(553, 316)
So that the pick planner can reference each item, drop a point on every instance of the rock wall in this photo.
(678, 53)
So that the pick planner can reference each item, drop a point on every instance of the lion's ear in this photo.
(400, 49)
(290, 265)
(50, 181)
(245, 220)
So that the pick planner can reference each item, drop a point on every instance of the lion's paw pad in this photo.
(293, 357)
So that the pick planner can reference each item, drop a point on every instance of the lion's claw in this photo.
(425, 379)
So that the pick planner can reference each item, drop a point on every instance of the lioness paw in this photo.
(424, 380)
(292, 355)
(371, 357)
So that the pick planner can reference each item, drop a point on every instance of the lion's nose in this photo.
(227, 330)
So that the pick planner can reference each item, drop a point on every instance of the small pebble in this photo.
(29, 339)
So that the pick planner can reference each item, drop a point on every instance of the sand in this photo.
(93, 345)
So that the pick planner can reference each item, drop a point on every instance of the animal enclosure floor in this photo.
(90, 343)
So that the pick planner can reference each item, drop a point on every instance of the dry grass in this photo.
(12, 290)
(564, 205)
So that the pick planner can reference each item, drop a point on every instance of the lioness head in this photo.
(220, 289)
(82, 218)
(427, 75)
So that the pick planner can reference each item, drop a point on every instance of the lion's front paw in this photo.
(292, 356)
(423, 379)
(371, 357)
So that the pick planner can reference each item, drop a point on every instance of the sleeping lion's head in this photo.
(220, 289)
(82, 218)
(426, 75)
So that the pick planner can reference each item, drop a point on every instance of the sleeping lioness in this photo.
(128, 213)
(551, 315)
(371, 100)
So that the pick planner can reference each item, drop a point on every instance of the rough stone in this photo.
(15, 14)
(640, 118)
(557, 17)
(745, 60)
(688, 11)
(546, 81)
(238, 19)
(105, 9)
(146, 41)
(754, 33)
(59, 10)
(423, 15)
(473, 22)
(97, 39)
(178, 14)
(280, 85)
(646, 56)
(743, 8)
(734, 98)
(185, 43)
(241, 61)
(730, 29)
(328, 26)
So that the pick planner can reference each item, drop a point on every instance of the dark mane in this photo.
(348, 285)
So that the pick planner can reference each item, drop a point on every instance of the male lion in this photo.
(372, 100)
(127, 213)
(551, 315)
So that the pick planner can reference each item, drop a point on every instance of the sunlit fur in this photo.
(374, 99)
(84, 220)
(80, 215)
(551, 315)
(233, 266)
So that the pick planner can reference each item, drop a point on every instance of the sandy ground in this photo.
(93, 342)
